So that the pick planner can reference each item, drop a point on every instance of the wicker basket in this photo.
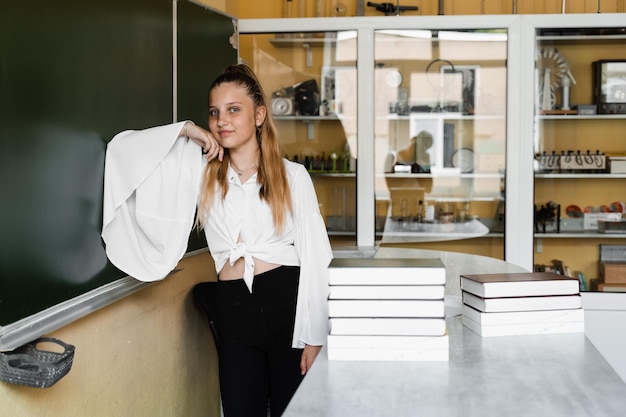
(30, 366)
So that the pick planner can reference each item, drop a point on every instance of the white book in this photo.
(386, 271)
(387, 292)
(524, 328)
(520, 317)
(388, 326)
(388, 348)
(558, 302)
(386, 308)
(520, 284)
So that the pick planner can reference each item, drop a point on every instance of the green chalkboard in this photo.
(199, 63)
(73, 73)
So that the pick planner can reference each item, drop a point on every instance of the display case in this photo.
(580, 150)
(448, 76)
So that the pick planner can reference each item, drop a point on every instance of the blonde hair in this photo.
(272, 175)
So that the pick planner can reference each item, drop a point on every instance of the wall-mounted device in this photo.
(389, 8)
(609, 84)
(283, 106)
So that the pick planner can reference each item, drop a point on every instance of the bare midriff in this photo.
(231, 272)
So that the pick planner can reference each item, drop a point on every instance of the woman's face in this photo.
(233, 117)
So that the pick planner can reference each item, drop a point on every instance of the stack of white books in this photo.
(387, 309)
(510, 304)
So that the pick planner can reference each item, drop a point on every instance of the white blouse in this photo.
(303, 242)
(152, 179)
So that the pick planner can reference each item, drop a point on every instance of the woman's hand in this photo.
(211, 148)
(308, 357)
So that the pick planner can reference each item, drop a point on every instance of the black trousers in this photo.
(256, 360)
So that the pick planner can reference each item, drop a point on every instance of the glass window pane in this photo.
(440, 132)
(312, 81)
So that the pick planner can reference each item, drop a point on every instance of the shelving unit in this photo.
(579, 249)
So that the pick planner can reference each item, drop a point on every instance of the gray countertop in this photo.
(538, 376)
(542, 375)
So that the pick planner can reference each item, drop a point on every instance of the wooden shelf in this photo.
(579, 235)
(579, 176)
(581, 116)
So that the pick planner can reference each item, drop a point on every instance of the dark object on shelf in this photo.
(609, 86)
(390, 8)
(308, 98)
(617, 31)
(416, 168)
(548, 218)
(422, 109)
(33, 367)
(558, 267)
(302, 99)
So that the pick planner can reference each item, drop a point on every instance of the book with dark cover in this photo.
(519, 284)
(557, 302)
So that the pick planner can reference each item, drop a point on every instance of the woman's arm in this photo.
(308, 357)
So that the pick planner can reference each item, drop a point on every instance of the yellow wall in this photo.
(150, 354)
(274, 9)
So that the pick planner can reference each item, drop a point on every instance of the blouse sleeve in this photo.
(151, 183)
(313, 248)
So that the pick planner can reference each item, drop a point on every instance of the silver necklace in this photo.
(240, 172)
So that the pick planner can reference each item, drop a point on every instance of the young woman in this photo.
(263, 227)
(271, 251)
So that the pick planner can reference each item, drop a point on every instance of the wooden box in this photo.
(613, 272)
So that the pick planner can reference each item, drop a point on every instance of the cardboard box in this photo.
(612, 226)
(590, 221)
